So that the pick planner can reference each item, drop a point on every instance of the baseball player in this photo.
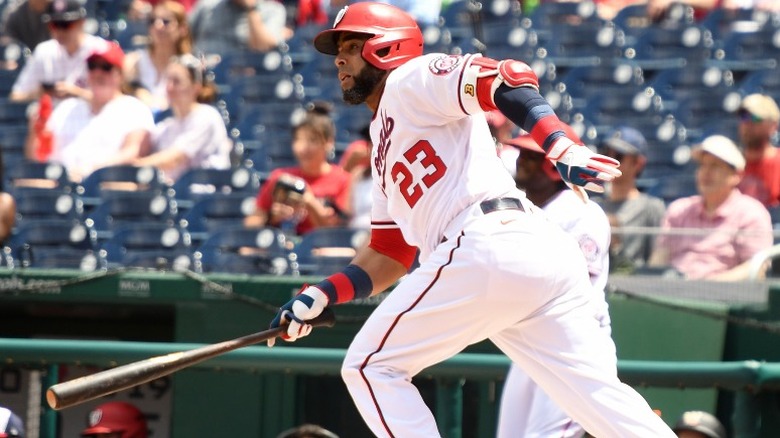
(491, 266)
(526, 410)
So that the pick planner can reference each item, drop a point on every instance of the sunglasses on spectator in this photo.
(611, 153)
(165, 21)
(61, 24)
(96, 65)
(747, 116)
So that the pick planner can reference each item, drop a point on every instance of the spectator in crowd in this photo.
(222, 26)
(720, 229)
(699, 424)
(116, 419)
(7, 215)
(625, 205)
(195, 136)
(758, 122)
(24, 23)
(307, 431)
(356, 160)
(108, 129)
(57, 65)
(11, 425)
(526, 410)
(169, 36)
(313, 194)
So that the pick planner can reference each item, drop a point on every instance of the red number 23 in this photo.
(410, 189)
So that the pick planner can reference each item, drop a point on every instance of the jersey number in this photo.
(422, 151)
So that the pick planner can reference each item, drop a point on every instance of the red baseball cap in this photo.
(110, 53)
(116, 417)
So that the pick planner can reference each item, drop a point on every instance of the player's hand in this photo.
(308, 304)
(579, 166)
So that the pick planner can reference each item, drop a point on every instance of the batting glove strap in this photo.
(582, 167)
(351, 283)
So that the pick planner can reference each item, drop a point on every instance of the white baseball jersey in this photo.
(427, 178)
(51, 63)
(509, 275)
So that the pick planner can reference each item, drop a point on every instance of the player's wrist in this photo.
(350, 284)
(559, 148)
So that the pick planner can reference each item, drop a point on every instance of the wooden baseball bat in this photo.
(76, 391)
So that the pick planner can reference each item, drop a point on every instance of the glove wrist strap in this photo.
(350, 284)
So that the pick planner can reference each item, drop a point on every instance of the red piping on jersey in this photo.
(460, 83)
(392, 326)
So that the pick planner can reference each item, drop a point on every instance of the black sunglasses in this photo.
(747, 116)
(94, 65)
(165, 21)
(61, 24)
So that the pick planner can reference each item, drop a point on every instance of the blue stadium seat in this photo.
(198, 183)
(48, 204)
(761, 81)
(149, 245)
(253, 251)
(607, 76)
(676, 85)
(690, 44)
(120, 178)
(217, 211)
(323, 251)
(117, 208)
(54, 243)
(27, 173)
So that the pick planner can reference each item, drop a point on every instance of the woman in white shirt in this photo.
(169, 36)
(195, 136)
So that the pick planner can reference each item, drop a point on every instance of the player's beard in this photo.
(365, 83)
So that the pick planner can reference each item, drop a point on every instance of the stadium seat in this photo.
(253, 251)
(607, 76)
(689, 44)
(27, 173)
(323, 251)
(48, 204)
(216, 211)
(676, 85)
(149, 245)
(197, 183)
(117, 208)
(120, 178)
(12, 142)
(55, 243)
(761, 81)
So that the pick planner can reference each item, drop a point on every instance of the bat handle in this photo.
(325, 319)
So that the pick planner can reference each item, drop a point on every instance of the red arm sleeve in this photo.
(390, 242)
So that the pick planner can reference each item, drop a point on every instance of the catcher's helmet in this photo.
(393, 31)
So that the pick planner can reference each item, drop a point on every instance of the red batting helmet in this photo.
(116, 417)
(391, 28)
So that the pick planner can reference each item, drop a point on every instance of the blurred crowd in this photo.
(144, 83)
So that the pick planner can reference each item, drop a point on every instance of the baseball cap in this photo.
(627, 141)
(761, 106)
(116, 417)
(723, 148)
(109, 52)
(10, 424)
(64, 10)
(702, 422)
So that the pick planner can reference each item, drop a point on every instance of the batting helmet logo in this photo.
(394, 38)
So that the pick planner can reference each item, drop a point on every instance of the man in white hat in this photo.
(758, 122)
(714, 234)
